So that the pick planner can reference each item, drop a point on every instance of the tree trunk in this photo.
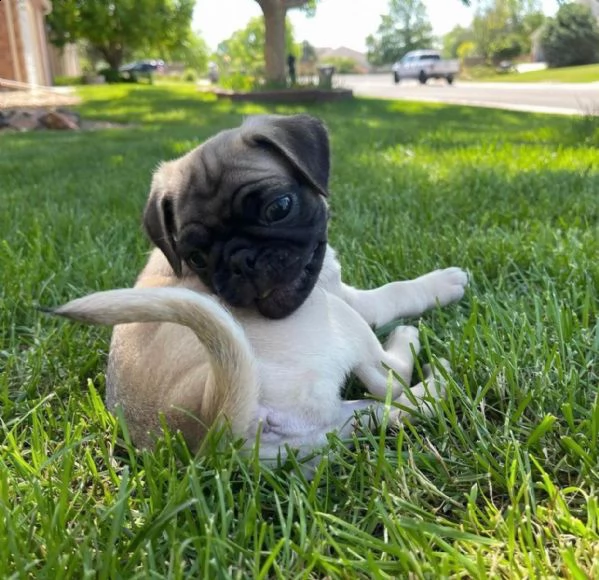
(274, 47)
(113, 55)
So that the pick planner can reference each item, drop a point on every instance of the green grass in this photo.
(501, 482)
(571, 74)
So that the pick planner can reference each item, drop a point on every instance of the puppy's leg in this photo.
(418, 398)
(398, 355)
(409, 298)
(280, 429)
(395, 300)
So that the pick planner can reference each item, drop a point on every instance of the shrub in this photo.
(572, 37)
(465, 49)
(238, 82)
(190, 76)
(113, 76)
(506, 48)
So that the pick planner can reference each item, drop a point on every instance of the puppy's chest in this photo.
(305, 356)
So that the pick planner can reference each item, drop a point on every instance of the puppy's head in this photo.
(245, 211)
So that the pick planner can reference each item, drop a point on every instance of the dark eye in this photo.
(278, 209)
(197, 260)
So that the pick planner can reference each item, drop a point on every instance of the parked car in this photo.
(143, 66)
(424, 65)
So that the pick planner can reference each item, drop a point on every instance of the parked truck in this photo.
(424, 65)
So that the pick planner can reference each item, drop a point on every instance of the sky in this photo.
(336, 23)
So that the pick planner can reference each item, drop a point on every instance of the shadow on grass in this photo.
(168, 122)
(393, 121)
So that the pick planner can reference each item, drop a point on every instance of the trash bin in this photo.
(325, 77)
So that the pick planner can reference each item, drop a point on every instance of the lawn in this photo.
(571, 74)
(501, 482)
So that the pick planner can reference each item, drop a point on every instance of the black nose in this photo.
(242, 263)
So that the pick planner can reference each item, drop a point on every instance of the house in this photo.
(362, 64)
(24, 53)
(26, 57)
(65, 61)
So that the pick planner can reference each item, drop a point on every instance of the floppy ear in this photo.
(159, 223)
(301, 139)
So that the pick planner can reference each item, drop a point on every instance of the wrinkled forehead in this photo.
(211, 175)
(228, 160)
(231, 158)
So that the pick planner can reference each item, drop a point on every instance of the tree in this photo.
(245, 51)
(308, 59)
(506, 48)
(275, 55)
(274, 12)
(405, 28)
(192, 52)
(308, 53)
(503, 27)
(572, 37)
(118, 28)
(466, 49)
(457, 36)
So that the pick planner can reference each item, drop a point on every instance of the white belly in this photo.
(305, 358)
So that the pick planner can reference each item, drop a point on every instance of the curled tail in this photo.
(235, 383)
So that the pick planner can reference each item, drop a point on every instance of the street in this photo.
(560, 98)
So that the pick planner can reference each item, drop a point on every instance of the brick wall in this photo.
(9, 69)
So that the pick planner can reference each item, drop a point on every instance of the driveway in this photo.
(559, 98)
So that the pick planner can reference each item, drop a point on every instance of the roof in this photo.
(342, 52)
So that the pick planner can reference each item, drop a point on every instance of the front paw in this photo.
(445, 286)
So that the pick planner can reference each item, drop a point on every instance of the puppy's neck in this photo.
(158, 273)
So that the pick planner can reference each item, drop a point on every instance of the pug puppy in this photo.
(241, 313)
